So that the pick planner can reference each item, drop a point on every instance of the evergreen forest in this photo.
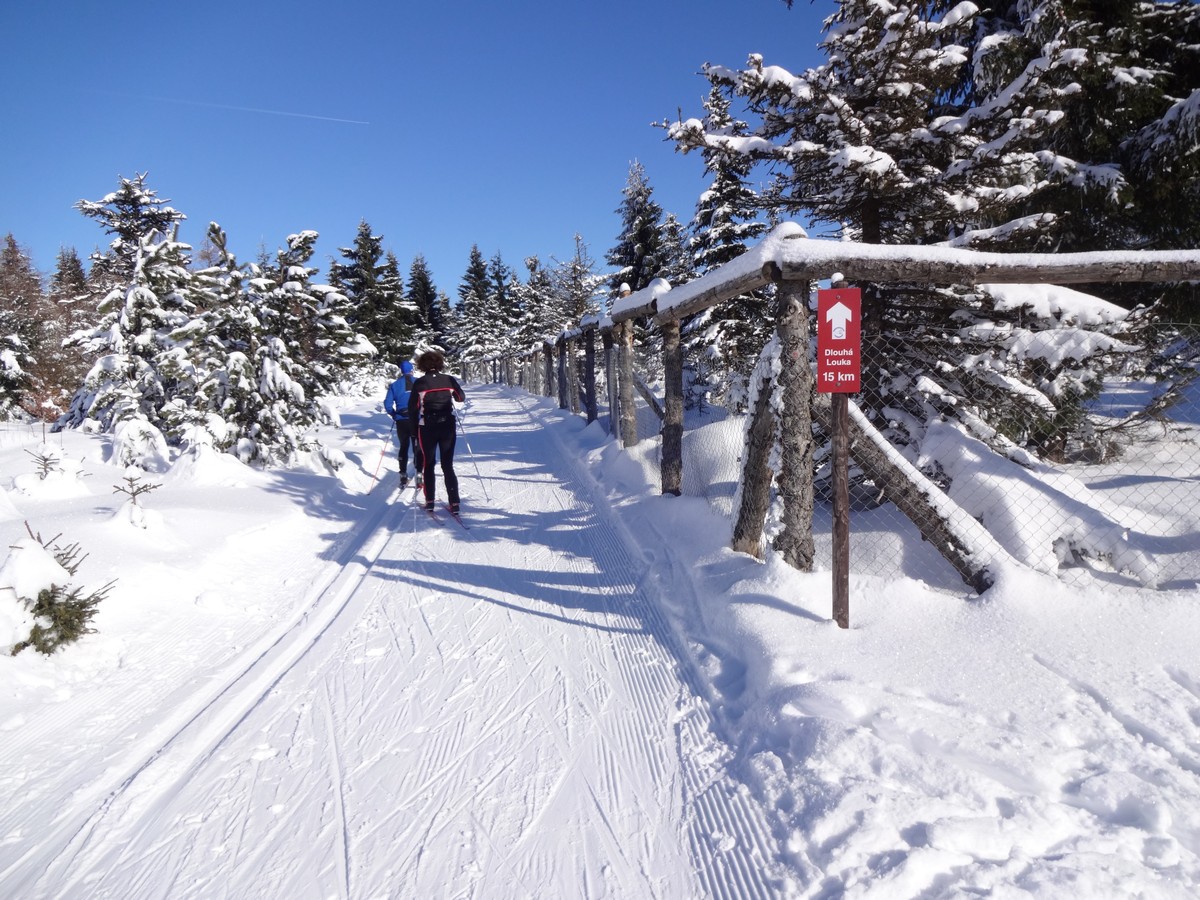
(1016, 125)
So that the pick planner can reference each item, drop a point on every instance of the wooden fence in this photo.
(794, 263)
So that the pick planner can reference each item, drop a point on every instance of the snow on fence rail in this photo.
(792, 263)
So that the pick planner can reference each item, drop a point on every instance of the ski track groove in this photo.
(457, 692)
(339, 794)
(276, 654)
(747, 824)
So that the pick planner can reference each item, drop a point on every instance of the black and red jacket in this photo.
(432, 398)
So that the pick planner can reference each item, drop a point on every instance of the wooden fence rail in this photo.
(793, 263)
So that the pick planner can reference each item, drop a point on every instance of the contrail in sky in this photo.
(252, 109)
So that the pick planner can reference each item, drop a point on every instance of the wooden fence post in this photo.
(756, 474)
(629, 435)
(672, 428)
(795, 540)
(840, 409)
(610, 378)
(572, 368)
(589, 373)
(561, 346)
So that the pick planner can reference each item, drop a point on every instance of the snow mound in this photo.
(1042, 516)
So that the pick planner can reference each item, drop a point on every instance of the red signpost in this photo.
(839, 372)
(839, 341)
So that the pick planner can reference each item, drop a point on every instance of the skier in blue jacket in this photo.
(396, 404)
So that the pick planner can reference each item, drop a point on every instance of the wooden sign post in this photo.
(839, 372)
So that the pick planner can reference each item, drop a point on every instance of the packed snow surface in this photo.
(300, 685)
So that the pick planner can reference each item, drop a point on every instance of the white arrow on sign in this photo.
(839, 314)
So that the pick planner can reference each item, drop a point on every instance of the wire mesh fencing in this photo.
(1080, 460)
(1087, 466)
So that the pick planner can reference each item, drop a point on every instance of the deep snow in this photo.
(299, 686)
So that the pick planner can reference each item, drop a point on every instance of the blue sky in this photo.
(507, 125)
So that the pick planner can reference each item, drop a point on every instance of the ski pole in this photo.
(382, 450)
(482, 483)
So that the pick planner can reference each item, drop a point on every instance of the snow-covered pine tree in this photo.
(676, 266)
(1161, 158)
(60, 369)
(311, 322)
(423, 297)
(476, 334)
(230, 402)
(451, 318)
(722, 344)
(264, 329)
(540, 316)
(636, 257)
(1136, 106)
(578, 289)
(375, 293)
(143, 340)
(402, 321)
(505, 301)
(21, 304)
(921, 127)
(129, 214)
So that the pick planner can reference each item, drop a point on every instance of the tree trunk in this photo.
(571, 365)
(756, 475)
(795, 541)
(958, 537)
(563, 402)
(610, 378)
(629, 435)
(672, 430)
(589, 373)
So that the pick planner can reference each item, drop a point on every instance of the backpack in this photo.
(401, 396)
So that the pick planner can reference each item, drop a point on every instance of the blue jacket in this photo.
(396, 401)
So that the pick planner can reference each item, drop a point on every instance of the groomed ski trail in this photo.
(486, 713)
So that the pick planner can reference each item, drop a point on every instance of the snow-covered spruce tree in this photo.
(423, 298)
(60, 369)
(255, 391)
(272, 348)
(375, 290)
(676, 265)
(540, 317)
(1152, 80)
(143, 340)
(577, 287)
(21, 308)
(130, 214)
(311, 321)
(477, 333)
(636, 256)
(506, 303)
(450, 316)
(230, 403)
(146, 326)
(722, 344)
(921, 128)
(403, 317)
(638, 259)
(61, 613)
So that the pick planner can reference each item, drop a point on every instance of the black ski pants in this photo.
(407, 435)
(437, 439)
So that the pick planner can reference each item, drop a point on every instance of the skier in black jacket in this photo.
(431, 406)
